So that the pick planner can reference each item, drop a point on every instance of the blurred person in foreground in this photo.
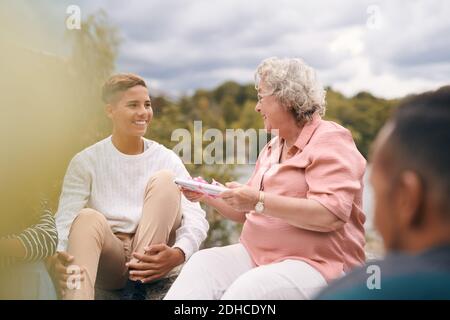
(22, 271)
(301, 208)
(411, 181)
(29, 123)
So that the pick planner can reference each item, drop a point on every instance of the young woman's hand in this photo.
(154, 263)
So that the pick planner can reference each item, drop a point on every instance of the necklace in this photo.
(286, 145)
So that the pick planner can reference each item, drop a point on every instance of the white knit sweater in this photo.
(102, 178)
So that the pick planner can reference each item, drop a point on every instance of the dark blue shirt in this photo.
(401, 276)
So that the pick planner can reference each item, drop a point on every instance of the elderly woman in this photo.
(301, 208)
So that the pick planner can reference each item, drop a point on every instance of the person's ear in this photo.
(109, 110)
(410, 200)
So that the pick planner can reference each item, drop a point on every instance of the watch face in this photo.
(259, 207)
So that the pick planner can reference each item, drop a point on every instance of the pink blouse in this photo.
(323, 165)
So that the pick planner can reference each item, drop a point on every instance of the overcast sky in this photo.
(390, 48)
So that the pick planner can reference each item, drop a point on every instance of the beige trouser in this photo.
(103, 254)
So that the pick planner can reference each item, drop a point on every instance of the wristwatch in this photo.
(259, 207)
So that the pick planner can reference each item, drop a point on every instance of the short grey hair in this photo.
(295, 85)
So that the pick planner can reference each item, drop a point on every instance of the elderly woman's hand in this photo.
(240, 197)
(192, 196)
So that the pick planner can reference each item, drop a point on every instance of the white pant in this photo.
(228, 273)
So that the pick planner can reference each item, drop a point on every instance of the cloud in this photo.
(390, 48)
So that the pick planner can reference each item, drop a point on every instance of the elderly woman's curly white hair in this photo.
(295, 85)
